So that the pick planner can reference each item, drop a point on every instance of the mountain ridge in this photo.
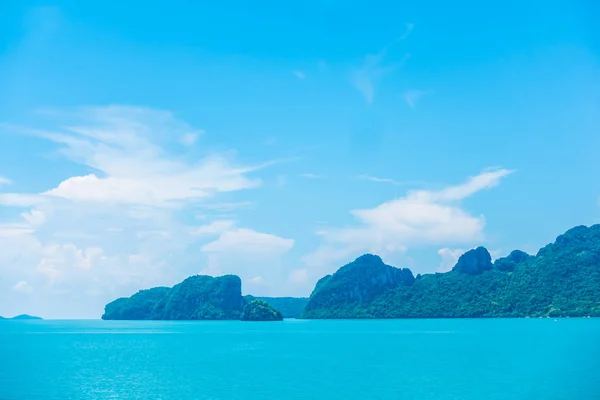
(562, 279)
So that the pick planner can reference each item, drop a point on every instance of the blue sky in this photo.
(142, 142)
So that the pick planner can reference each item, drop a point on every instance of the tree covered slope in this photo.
(196, 298)
(563, 279)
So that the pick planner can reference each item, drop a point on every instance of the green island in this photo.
(289, 307)
(198, 297)
(561, 280)
(260, 310)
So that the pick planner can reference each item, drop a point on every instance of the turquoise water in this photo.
(387, 359)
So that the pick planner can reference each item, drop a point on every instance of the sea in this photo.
(444, 359)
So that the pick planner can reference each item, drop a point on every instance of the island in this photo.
(198, 297)
(22, 317)
(290, 307)
(561, 280)
(260, 310)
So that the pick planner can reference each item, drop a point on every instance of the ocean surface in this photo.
(537, 359)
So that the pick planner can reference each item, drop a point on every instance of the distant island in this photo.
(22, 317)
(561, 280)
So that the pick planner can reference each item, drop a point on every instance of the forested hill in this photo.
(289, 307)
(202, 297)
(197, 297)
(562, 280)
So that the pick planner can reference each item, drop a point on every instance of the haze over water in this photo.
(494, 359)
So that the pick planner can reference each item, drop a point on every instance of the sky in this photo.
(144, 142)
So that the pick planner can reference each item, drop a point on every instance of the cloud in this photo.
(21, 199)
(366, 77)
(126, 223)
(190, 138)
(407, 32)
(376, 179)
(281, 180)
(123, 144)
(4, 181)
(390, 180)
(299, 74)
(256, 257)
(243, 240)
(256, 280)
(449, 258)
(214, 228)
(23, 287)
(15, 229)
(311, 176)
(411, 96)
(421, 217)
(35, 218)
(298, 276)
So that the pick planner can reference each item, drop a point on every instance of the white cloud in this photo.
(21, 199)
(123, 225)
(449, 258)
(23, 287)
(228, 206)
(419, 218)
(243, 240)
(214, 228)
(299, 74)
(34, 218)
(298, 276)
(256, 280)
(190, 138)
(15, 229)
(249, 254)
(411, 96)
(4, 181)
(124, 145)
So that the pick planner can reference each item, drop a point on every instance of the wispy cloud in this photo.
(389, 180)
(408, 30)
(311, 176)
(122, 144)
(23, 287)
(376, 179)
(412, 96)
(373, 69)
(299, 74)
(4, 180)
